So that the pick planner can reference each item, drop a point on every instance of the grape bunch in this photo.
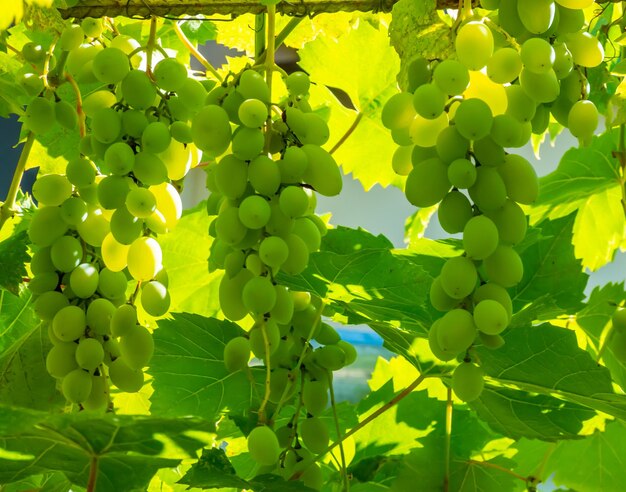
(457, 126)
(263, 195)
(97, 265)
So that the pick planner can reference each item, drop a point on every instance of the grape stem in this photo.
(7, 209)
(349, 132)
(46, 66)
(195, 53)
(268, 375)
(487, 464)
(93, 474)
(151, 45)
(333, 404)
(269, 67)
(281, 36)
(79, 104)
(449, 409)
(495, 27)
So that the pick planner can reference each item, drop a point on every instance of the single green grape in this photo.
(468, 381)
(237, 354)
(263, 446)
(89, 354)
(61, 360)
(480, 237)
(504, 266)
(474, 45)
(314, 434)
(456, 331)
(454, 212)
(123, 320)
(155, 298)
(458, 277)
(490, 317)
(111, 65)
(69, 323)
(125, 378)
(76, 386)
(170, 74)
(137, 347)
(315, 397)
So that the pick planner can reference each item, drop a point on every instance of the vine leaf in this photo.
(13, 256)
(190, 377)
(129, 449)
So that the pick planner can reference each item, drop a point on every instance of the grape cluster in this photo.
(263, 194)
(95, 228)
(455, 127)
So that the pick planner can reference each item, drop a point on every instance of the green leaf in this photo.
(415, 225)
(190, 377)
(13, 256)
(211, 471)
(128, 449)
(24, 345)
(199, 31)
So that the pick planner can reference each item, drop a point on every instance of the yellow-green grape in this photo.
(61, 359)
(144, 258)
(178, 159)
(71, 38)
(258, 334)
(571, 20)
(231, 103)
(263, 446)
(315, 397)
(66, 253)
(398, 112)
(326, 334)
(563, 61)
(49, 304)
(119, 159)
(429, 101)
(401, 160)
(140, 202)
(314, 434)
(106, 125)
(511, 222)
(114, 253)
(125, 227)
(181, 132)
(138, 90)
(156, 137)
(458, 277)
(253, 113)
(425, 132)
(418, 72)
(488, 153)
(452, 77)
(33, 53)
(619, 320)
(98, 100)
(456, 331)
(541, 87)
(98, 399)
(330, 357)
(265, 175)
(99, 314)
(46, 226)
(537, 55)
(237, 354)
(308, 232)
(74, 211)
(439, 299)
(111, 65)
(41, 261)
(617, 344)
(504, 266)
(134, 123)
(490, 317)
(229, 227)
(322, 171)
(427, 184)
(252, 86)
(575, 4)
(112, 191)
(170, 75)
(520, 179)
(80, 172)
(474, 45)
(509, 19)
(297, 83)
(259, 295)
(89, 354)
(43, 282)
(489, 191)
(492, 342)
(480, 237)
(84, 280)
(230, 295)
(536, 15)
(283, 309)
(585, 48)
(298, 257)
(254, 212)
(454, 212)
(210, 129)
(462, 173)
(231, 176)
(349, 350)
(280, 381)
(155, 298)
(137, 347)
(508, 131)
(92, 27)
(312, 129)
(582, 120)
(69, 323)
(301, 300)
(192, 94)
(468, 381)
(125, 378)
(39, 116)
(273, 251)
(435, 347)
(76, 386)
(293, 201)
(112, 285)
(65, 114)
(473, 119)
(504, 66)
(313, 477)
(123, 320)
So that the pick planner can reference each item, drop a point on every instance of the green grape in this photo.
(563, 61)
(536, 15)
(125, 378)
(490, 317)
(65, 114)
(349, 350)
(283, 309)
(80, 172)
(98, 399)
(69, 323)
(504, 266)
(429, 101)
(255, 265)
(156, 137)
(619, 320)
(33, 53)
(541, 87)
(181, 132)
(454, 212)
(313, 477)
(234, 262)
(114, 253)
(520, 105)
(66, 253)
(98, 100)
(263, 445)
(231, 176)
(112, 285)
(39, 116)
(427, 184)
(252, 86)
(248, 143)
(398, 112)
(43, 282)
(509, 19)
(301, 300)
(433, 343)
(259, 296)
(112, 191)
(330, 357)
(74, 211)
(123, 320)
(237, 354)
(106, 125)
(137, 347)
(155, 298)
(315, 397)
(582, 120)
(119, 159)
(402, 136)
(99, 314)
(210, 129)
(258, 334)
(84, 280)
(273, 251)
(41, 261)
(92, 28)
(585, 48)
(314, 434)
(574, 86)
(326, 334)
(125, 227)
(571, 20)
(76, 386)
(82, 57)
(450, 146)
(144, 258)
(480, 237)
(504, 66)
(507, 131)
(89, 354)
(49, 304)
(418, 72)
(520, 179)
(458, 277)
(61, 360)
(134, 123)
(111, 65)
(265, 175)
(308, 232)
(138, 90)
(231, 104)
(456, 331)
(488, 153)
(192, 94)
(293, 201)
(149, 169)
(279, 382)
(491, 341)
(140, 202)
(230, 295)
(31, 83)
(297, 83)
(452, 77)
(424, 132)
(489, 191)
(178, 159)
(170, 75)
(253, 113)
(537, 55)
(314, 130)
(468, 381)
(439, 299)
(474, 45)
(71, 38)
(229, 227)
(298, 257)
(322, 172)
(511, 222)
(46, 226)
(462, 173)
(473, 119)
(401, 161)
